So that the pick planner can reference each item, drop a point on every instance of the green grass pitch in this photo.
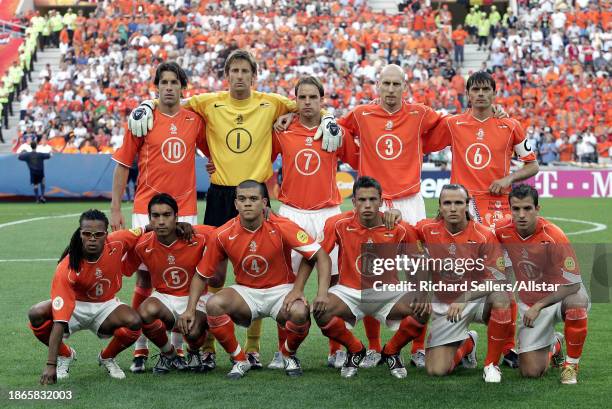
(22, 357)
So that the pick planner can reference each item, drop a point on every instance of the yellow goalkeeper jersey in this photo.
(239, 133)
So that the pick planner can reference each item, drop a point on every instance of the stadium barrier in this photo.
(89, 176)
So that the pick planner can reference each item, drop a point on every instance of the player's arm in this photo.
(413, 248)
(120, 177)
(327, 241)
(49, 375)
(437, 138)
(526, 154)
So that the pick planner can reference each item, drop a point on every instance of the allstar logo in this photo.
(389, 126)
(480, 134)
(252, 246)
(173, 129)
(171, 259)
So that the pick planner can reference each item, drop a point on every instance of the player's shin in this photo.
(509, 344)
(408, 330)
(282, 335)
(372, 330)
(222, 328)
(140, 294)
(44, 331)
(209, 342)
(336, 330)
(497, 329)
(156, 332)
(418, 344)
(253, 336)
(575, 333)
(122, 338)
(296, 333)
(462, 351)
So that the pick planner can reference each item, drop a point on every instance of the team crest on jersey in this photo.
(370, 241)
(173, 129)
(58, 303)
(171, 259)
(239, 119)
(480, 134)
(570, 263)
(309, 141)
(252, 246)
(420, 247)
(452, 249)
(498, 204)
(500, 263)
(302, 237)
(98, 273)
(525, 254)
(389, 126)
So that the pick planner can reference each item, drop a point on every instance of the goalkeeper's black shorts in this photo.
(220, 205)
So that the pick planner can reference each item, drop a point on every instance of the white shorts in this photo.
(313, 222)
(263, 302)
(443, 331)
(412, 207)
(377, 304)
(141, 220)
(91, 315)
(541, 335)
(178, 304)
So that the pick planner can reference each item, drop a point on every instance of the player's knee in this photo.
(437, 370)
(299, 313)
(531, 371)
(133, 321)
(37, 315)
(499, 300)
(576, 301)
(147, 312)
(215, 305)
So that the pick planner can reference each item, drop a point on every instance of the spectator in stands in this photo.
(459, 36)
(36, 165)
(566, 149)
(548, 152)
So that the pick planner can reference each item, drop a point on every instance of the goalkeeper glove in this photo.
(140, 121)
(331, 133)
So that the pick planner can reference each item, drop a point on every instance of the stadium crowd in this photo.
(109, 58)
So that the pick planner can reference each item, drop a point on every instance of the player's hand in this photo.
(531, 316)
(210, 168)
(293, 296)
(421, 305)
(185, 322)
(282, 122)
(184, 231)
(331, 133)
(49, 375)
(391, 218)
(454, 311)
(499, 185)
(499, 112)
(320, 305)
(117, 221)
(140, 121)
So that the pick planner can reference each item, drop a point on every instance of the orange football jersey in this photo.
(476, 242)
(545, 257)
(172, 267)
(309, 172)
(261, 258)
(390, 145)
(350, 235)
(482, 150)
(166, 159)
(96, 281)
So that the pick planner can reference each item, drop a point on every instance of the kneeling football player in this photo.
(355, 296)
(83, 296)
(260, 252)
(452, 236)
(171, 264)
(550, 288)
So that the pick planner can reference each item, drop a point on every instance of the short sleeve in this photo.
(437, 138)
(327, 239)
(127, 152)
(213, 255)
(62, 294)
(296, 238)
(128, 238)
(522, 148)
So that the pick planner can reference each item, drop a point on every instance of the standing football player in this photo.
(482, 147)
(260, 252)
(454, 236)
(551, 290)
(166, 163)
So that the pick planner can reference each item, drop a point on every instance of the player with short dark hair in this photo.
(453, 236)
(355, 295)
(36, 166)
(166, 163)
(171, 264)
(482, 147)
(543, 257)
(260, 251)
(83, 296)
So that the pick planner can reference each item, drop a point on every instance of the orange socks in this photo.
(575, 333)
(409, 329)
(372, 330)
(222, 328)
(295, 335)
(497, 330)
(336, 330)
(44, 332)
(122, 339)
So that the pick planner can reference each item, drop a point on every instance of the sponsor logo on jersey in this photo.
(302, 237)
(218, 105)
(264, 104)
(364, 113)
(58, 303)
(233, 237)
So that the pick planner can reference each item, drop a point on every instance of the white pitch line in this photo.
(34, 219)
(597, 226)
(19, 260)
